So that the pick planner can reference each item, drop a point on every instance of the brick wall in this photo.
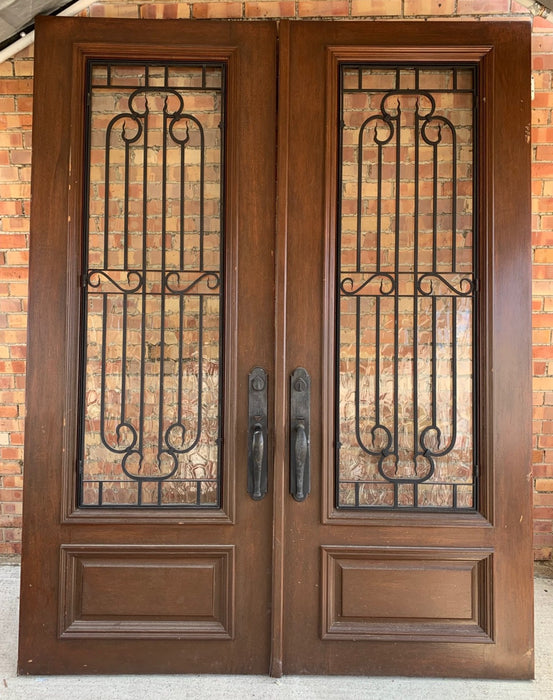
(15, 160)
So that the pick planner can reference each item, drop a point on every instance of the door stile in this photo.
(280, 363)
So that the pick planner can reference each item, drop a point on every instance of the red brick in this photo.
(376, 8)
(542, 62)
(16, 86)
(429, 7)
(542, 43)
(543, 255)
(545, 153)
(10, 494)
(542, 320)
(270, 9)
(10, 548)
(7, 104)
(483, 7)
(165, 11)
(24, 104)
(210, 10)
(322, 8)
(17, 367)
(10, 208)
(541, 470)
(114, 9)
(20, 157)
(540, 24)
(518, 7)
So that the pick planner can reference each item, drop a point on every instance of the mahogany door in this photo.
(375, 517)
(405, 245)
(151, 302)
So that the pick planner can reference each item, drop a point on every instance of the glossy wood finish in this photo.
(355, 581)
(90, 579)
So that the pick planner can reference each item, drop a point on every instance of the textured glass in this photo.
(406, 288)
(152, 286)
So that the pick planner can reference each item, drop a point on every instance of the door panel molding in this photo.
(483, 56)
(82, 53)
(198, 583)
(361, 601)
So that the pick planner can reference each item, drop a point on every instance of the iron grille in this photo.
(152, 286)
(406, 288)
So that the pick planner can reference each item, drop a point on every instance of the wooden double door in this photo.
(278, 389)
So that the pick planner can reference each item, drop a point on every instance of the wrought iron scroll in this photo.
(152, 286)
(406, 288)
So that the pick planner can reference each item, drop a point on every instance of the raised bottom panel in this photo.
(142, 591)
(407, 593)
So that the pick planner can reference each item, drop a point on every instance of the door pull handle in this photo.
(300, 399)
(258, 445)
(257, 433)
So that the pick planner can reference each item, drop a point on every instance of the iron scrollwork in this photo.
(152, 291)
(406, 288)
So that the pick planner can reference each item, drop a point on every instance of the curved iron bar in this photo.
(179, 423)
(213, 284)
(386, 449)
(384, 275)
(434, 427)
(104, 273)
(121, 425)
(388, 122)
(418, 93)
(407, 479)
(140, 478)
(151, 90)
(427, 121)
(429, 276)
(176, 118)
(118, 429)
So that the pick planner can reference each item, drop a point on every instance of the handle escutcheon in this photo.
(257, 433)
(300, 399)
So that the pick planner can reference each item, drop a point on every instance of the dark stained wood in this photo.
(363, 594)
(52, 521)
(499, 536)
(158, 592)
(281, 382)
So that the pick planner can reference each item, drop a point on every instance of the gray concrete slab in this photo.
(289, 687)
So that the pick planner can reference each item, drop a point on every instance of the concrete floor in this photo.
(290, 687)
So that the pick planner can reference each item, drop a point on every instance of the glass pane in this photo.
(152, 286)
(406, 288)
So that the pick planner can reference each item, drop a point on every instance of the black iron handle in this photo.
(300, 448)
(300, 392)
(257, 433)
(258, 445)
